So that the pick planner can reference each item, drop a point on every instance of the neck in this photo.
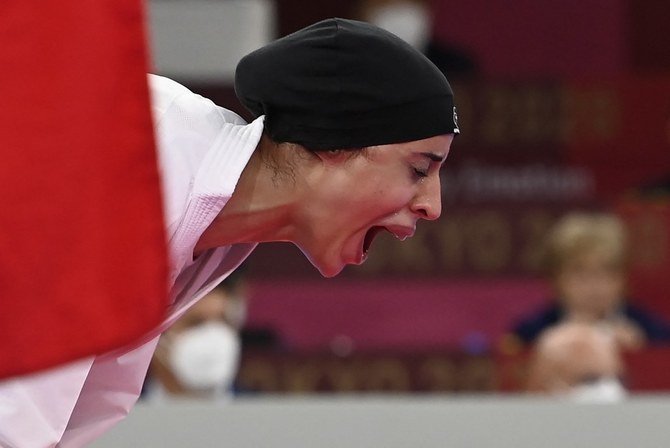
(260, 209)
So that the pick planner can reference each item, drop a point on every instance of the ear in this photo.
(338, 156)
(332, 156)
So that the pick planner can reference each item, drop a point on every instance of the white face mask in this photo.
(206, 357)
(410, 21)
(605, 390)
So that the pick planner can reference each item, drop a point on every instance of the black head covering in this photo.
(341, 84)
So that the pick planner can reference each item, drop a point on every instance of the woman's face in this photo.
(354, 195)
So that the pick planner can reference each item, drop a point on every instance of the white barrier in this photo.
(396, 422)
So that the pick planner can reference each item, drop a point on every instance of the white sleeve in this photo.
(35, 409)
(112, 387)
(71, 405)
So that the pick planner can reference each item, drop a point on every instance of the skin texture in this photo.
(211, 308)
(326, 202)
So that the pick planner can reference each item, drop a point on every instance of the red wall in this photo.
(530, 38)
(392, 315)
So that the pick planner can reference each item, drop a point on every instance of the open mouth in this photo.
(400, 232)
(370, 237)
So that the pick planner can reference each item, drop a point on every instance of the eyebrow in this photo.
(434, 157)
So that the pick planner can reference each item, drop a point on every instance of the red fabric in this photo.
(83, 265)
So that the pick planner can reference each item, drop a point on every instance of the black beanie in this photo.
(343, 84)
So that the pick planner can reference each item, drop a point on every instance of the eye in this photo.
(420, 172)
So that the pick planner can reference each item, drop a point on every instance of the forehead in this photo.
(212, 304)
(437, 146)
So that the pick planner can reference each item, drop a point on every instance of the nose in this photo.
(427, 203)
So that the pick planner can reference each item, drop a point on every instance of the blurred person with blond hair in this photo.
(586, 258)
(578, 361)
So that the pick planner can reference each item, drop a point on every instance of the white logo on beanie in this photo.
(456, 130)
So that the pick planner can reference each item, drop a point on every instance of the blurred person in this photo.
(198, 357)
(578, 361)
(351, 127)
(412, 21)
(586, 259)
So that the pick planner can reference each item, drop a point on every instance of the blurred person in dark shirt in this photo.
(586, 260)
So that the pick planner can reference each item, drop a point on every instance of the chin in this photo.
(328, 267)
(328, 270)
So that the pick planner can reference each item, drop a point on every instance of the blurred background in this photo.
(555, 224)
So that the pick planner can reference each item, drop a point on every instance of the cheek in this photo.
(611, 292)
(386, 201)
(393, 193)
(617, 285)
(378, 191)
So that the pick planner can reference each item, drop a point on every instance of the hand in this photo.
(627, 334)
(160, 366)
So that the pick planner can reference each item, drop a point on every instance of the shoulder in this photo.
(164, 91)
(171, 100)
(655, 328)
(636, 313)
(530, 327)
